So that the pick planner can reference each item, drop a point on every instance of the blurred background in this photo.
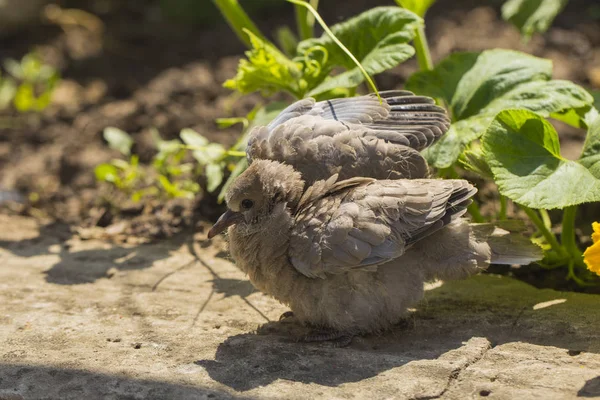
(72, 68)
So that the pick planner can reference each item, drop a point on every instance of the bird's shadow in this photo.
(246, 361)
(19, 381)
(438, 326)
(591, 388)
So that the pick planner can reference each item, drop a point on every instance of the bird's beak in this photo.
(227, 219)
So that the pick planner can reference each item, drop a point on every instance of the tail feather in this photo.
(508, 247)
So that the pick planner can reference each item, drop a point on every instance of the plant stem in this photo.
(503, 208)
(237, 19)
(550, 238)
(235, 153)
(473, 209)
(568, 235)
(305, 21)
(337, 41)
(231, 153)
(422, 49)
(546, 218)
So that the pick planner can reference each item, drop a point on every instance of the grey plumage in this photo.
(358, 136)
(351, 256)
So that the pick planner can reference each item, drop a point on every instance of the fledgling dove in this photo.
(358, 136)
(350, 256)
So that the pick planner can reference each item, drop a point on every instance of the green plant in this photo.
(28, 84)
(480, 91)
(531, 16)
(499, 101)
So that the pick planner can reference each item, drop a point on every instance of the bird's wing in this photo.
(361, 223)
(358, 136)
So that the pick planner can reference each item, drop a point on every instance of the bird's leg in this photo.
(286, 315)
(337, 338)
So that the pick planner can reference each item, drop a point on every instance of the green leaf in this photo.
(267, 70)
(106, 173)
(118, 140)
(474, 160)
(193, 138)
(223, 123)
(531, 16)
(596, 96)
(239, 168)
(209, 154)
(590, 155)
(523, 152)
(419, 7)
(168, 187)
(8, 90)
(214, 176)
(558, 99)
(476, 86)
(24, 99)
(382, 44)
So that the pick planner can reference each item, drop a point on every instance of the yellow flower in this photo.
(591, 256)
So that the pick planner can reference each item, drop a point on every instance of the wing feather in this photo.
(358, 136)
(363, 223)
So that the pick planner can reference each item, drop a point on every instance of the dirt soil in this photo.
(138, 71)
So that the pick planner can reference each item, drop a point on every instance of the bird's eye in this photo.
(247, 204)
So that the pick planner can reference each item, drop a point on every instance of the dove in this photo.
(358, 136)
(351, 256)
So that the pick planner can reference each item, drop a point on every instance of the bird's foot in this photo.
(286, 315)
(336, 338)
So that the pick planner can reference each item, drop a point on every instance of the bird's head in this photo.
(258, 194)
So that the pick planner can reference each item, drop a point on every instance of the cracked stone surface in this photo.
(90, 319)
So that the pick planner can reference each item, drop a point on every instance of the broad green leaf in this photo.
(470, 81)
(590, 156)
(596, 96)
(214, 176)
(476, 86)
(523, 152)
(267, 70)
(118, 140)
(378, 38)
(419, 7)
(531, 16)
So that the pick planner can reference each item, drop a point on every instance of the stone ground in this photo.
(176, 320)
